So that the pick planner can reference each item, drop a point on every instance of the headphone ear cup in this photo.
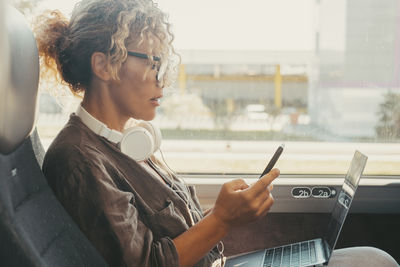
(154, 131)
(137, 143)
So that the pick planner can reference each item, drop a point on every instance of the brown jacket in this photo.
(128, 214)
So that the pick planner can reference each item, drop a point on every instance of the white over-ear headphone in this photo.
(138, 142)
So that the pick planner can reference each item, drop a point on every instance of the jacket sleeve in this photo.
(137, 241)
(108, 216)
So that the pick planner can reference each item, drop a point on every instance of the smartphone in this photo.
(273, 160)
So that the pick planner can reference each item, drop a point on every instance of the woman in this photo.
(134, 212)
(119, 55)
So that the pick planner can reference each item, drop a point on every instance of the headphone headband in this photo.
(138, 142)
(98, 127)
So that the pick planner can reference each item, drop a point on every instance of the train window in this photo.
(321, 76)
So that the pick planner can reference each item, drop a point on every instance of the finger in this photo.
(271, 175)
(264, 194)
(266, 206)
(262, 184)
(270, 187)
(261, 198)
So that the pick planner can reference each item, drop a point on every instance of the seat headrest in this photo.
(19, 68)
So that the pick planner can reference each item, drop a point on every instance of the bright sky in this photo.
(234, 24)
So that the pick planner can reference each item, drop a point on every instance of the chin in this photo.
(147, 117)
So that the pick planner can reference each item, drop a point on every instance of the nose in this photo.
(160, 85)
(161, 73)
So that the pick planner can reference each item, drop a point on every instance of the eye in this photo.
(156, 65)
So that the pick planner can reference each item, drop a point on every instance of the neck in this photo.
(99, 104)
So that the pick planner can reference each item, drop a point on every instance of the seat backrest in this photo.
(35, 230)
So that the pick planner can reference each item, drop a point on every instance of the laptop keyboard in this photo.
(294, 255)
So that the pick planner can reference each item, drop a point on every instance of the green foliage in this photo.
(388, 127)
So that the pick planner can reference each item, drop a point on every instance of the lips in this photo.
(156, 100)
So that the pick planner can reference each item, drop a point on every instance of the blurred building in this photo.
(340, 84)
(354, 75)
(246, 77)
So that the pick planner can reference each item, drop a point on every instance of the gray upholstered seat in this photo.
(35, 230)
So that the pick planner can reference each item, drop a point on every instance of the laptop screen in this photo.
(344, 200)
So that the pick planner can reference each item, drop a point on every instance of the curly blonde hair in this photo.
(106, 26)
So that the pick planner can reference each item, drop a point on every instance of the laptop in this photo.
(315, 252)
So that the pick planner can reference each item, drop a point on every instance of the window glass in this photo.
(321, 76)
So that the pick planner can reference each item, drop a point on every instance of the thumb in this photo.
(238, 184)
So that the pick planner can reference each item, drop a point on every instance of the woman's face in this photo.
(136, 95)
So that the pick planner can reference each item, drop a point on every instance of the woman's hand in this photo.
(238, 203)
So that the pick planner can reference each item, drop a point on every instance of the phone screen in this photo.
(273, 160)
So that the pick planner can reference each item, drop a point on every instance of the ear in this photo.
(99, 66)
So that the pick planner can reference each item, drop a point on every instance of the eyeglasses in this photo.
(145, 56)
(161, 68)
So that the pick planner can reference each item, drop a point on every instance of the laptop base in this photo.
(302, 254)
